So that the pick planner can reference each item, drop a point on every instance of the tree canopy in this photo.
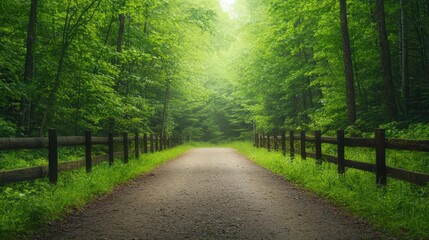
(208, 72)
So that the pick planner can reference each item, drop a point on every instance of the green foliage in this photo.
(84, 76)
(28, 206)
(401, 208)
(289, 64)
(7, 128)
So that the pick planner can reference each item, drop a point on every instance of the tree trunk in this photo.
(389, 87)
(304, 100)
(420, 37)
(348, 64)
(310, 93)
(146, 17)
(427, 7)
(165, 109)
(404, 67)
(29, 68)
(424, 51)
(120, 32)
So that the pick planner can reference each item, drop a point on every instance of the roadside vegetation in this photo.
(16, 159)
(28, 206)
(401, 208)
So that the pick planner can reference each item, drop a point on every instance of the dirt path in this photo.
(210, 193)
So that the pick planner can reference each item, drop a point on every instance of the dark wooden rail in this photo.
(379, 143)
(52, 142)
(42, 142)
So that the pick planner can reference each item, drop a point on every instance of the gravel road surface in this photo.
(210, 193)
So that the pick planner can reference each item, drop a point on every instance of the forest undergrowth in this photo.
(400, 209)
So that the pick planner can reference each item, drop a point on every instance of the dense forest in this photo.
(212, 71)
(326, 65)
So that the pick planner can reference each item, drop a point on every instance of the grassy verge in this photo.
(401, 208)
(26, 207)
(15, 159)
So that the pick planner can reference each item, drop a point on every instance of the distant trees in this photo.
(186, 66)
(294, 73)
(87, 62)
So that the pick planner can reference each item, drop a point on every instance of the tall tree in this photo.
(389, 87)
(29, 68)
(165, 108)
(120, 32)
(73, 22)
(404, 54)
(348, 64)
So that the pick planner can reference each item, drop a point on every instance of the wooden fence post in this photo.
(380, 151)
(152, 149)
(110, 143)
(318, 141)
(303, 150)
(268, 142)
(88, 149)
(137, 145)
(125, 142)
(145, 143)
(340, 152)
(53, 155)
(284, 143)
(291, 142)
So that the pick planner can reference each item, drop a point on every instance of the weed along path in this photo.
(210, 193)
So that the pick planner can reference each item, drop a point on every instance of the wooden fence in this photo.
(52, 142)
(380, 143)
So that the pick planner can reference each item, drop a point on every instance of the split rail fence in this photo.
(150, 142)
(380, 143)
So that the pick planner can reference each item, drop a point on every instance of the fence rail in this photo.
(42, 142)
(379, 143)
(52, 142)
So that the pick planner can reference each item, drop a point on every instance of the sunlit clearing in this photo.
(227, 6)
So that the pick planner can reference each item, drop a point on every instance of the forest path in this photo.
(210, 193)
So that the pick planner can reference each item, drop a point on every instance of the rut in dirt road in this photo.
(210, 193)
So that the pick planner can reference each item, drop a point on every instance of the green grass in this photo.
(401, 209)
(27, 207)
(16, 159)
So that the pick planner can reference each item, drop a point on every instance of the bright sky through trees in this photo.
(227, 6)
